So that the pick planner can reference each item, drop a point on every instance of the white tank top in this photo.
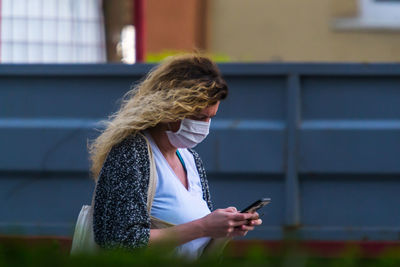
(176, 204)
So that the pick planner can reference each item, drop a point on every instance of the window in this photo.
(380, 11)
(51, 31)
(373, 14)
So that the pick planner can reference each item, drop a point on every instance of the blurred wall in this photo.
(176, 25)
(171, 25)
(292, 30)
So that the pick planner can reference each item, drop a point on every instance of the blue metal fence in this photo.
(322, 140)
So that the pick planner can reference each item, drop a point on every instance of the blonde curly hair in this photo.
(179, 87)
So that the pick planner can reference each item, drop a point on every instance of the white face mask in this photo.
(190, 133)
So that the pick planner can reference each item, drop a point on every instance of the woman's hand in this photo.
(219, 223)
(255, 221)
(228, 223)
(251, 223)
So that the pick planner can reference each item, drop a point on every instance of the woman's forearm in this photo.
(219, 223)
(177, 235)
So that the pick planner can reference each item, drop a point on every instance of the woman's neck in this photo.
(161, 139)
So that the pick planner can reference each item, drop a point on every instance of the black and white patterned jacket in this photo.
(120, 216)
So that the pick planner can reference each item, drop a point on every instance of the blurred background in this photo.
(312, 119)
(68, 31)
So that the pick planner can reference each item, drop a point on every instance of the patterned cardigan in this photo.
(120, 218)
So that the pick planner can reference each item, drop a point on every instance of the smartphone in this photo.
(257, 205)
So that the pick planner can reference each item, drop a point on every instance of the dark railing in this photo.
(322, 140)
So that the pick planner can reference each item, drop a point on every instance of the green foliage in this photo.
(17, 254)
(157, 57)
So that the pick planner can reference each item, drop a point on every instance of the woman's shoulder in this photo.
(130, 154)
(131, 146)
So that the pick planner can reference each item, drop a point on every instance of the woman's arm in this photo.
(220, 223)
(176, 235)
(120, 216)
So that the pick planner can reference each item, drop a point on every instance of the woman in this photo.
(165, 115)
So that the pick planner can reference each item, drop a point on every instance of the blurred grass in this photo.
(52, 254)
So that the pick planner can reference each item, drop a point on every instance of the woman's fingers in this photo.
(251, 223)
(231, 209)
(255, 222)
(245, 227)
(241, 216)
(244, 216)
(238, 223)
